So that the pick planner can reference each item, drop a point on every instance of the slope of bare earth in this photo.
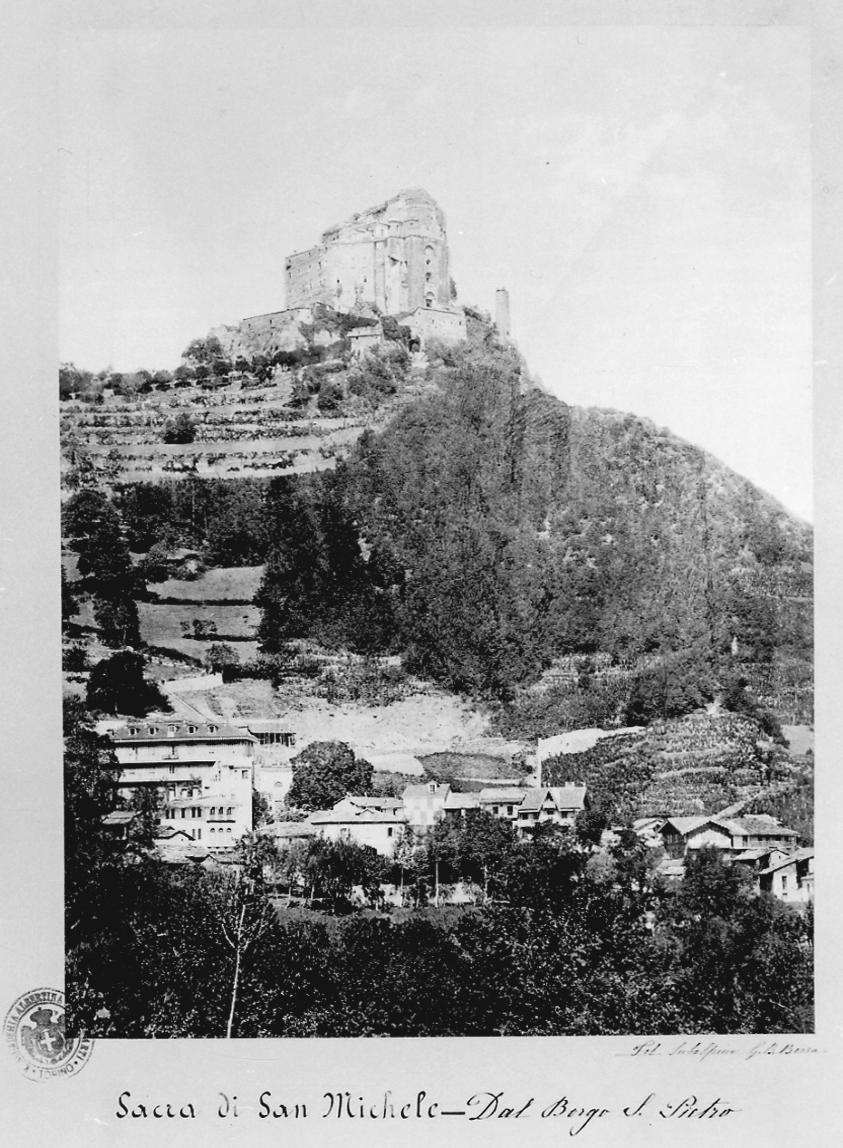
(428, 721)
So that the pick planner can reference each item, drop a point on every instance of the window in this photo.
(213, 728)
(198, 834)
(228, 830)
(191, 729)
(171, 729)
(153, 729)
(389, 831)
(784, 882)
(213, 811)
(184, 813)
(509, 810)
(229, 811)
(133, 729)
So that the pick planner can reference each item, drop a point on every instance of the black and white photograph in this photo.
(436, 531)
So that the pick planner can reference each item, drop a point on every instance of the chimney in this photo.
(502, 312)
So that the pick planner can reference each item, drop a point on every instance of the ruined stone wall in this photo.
(266, 334)
(394, 256)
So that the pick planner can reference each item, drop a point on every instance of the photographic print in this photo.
(436, 531)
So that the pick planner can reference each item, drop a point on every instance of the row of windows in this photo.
(195, 812)
(171, 729)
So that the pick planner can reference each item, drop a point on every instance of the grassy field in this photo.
(161, 624)
(237, 583)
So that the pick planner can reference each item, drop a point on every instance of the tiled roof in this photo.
(286, 829)
(504, 795)
(684, 825)
(119, 817)
(562, 796)
(799, 855)
(357, 817)
(158, 731)
(745, 827)
(462, 801)
(417, 791)
(375, 802)
(760, 827)
(267, 726)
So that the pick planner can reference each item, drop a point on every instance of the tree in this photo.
(475, 848)
(180, 430)
(261, 810)
(117, 685)
(69, 605)
(147, 802)
(117, 619)
(91, 773)
(589, 826)
(324, 773)
(329, 396)
(333, 868)
(157, 566)
(221, 657)
(93, 529)
(242, 910)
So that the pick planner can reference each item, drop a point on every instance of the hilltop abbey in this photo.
(394, 256)
(390, 260)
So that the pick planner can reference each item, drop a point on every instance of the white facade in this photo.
(378, 823)
(203, 771)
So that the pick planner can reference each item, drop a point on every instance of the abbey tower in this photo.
(394, 256)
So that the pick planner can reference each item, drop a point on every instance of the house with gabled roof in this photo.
(502, 801)
(424, 804)
(733, 836)
(558, 805)
(378, 825)
(458, 804)
(791, 879)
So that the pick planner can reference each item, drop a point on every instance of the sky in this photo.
(642, 192)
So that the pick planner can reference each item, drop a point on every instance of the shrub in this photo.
(180, 430)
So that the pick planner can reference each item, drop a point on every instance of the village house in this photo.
(424, 805)
(754, 860)
(202, 770)
(732, 836)
(791, 879)
(503, 802)
(458, 804)
(120, 823)
(287, 833)
(556, 804)
(376, 822)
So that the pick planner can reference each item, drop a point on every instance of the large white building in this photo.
(202, 770)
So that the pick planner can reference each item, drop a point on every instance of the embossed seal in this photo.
(34, 1031)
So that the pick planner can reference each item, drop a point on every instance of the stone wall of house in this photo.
(266, 334)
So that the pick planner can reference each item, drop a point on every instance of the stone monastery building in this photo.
(394, 256)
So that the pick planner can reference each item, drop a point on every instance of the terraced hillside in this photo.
(701, 763)
(236, 433)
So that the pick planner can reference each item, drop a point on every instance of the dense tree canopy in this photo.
(324, 773)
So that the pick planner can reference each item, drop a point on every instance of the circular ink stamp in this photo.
(34, 1031)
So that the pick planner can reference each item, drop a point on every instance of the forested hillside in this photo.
(500, 530)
